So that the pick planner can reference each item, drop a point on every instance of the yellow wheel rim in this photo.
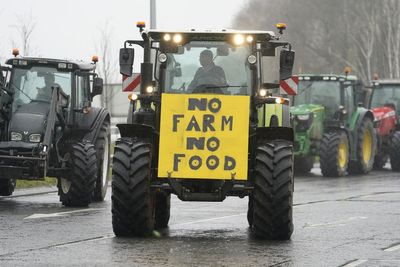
(342, 154)
(367, 146)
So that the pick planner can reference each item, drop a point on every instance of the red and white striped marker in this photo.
(289, 86)
(132, 83)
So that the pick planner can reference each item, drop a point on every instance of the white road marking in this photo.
(208, 220)
(392, 248)
(335, 223)
(59, 214)
(355, 263)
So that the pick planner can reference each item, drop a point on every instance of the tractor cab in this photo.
(333, 96)
(386, 95)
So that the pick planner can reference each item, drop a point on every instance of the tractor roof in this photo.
(212, 35)
(70, 65)
(387, 81)
(322, 76)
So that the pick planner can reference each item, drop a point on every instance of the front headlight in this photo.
(16, 136)
(35, 138)
(303, 117)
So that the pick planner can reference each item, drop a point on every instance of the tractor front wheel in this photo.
(334, 154)
(395, 152)
(7, 187)
(76, 189)
(273, 192)
(133, 203)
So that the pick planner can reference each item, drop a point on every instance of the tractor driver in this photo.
(45, 93)
(208, 73)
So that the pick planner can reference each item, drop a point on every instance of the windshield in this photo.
(208, 67)
(386, 94)
(324, 93)
(35, 84)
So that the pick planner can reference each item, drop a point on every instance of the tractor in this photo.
(385, 104)
(331, 123)
(202, 128)
(49, 129)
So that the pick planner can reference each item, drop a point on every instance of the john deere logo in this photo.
(204, 136)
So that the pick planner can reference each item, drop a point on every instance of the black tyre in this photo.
(7, 187)
(103, 146)
(365, 148)
(303, 165)
(334, 154)
(395, 152)
(250, 211)
(273, 191)
(132, 200)
(163, 210)
(76, 188)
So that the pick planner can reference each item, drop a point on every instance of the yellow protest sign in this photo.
(204, 136)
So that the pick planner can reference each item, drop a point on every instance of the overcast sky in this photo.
(70, 29)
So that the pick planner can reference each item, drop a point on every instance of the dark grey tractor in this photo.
(49, 129)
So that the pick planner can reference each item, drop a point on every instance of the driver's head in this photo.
(49, 79)
(206, 57)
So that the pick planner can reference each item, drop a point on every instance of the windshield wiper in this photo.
(225, 86)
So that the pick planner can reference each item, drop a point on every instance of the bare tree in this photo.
(25, 25)
(106, 64)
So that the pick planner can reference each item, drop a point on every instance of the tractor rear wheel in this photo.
(273, 191)
(366, 148)
(334, 154)
(163, 208)
(395, 152)
(303, 165)
(102, 146)
(7, 187)
(133, 202)
(76, 189)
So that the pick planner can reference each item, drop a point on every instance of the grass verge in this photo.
(28, 184)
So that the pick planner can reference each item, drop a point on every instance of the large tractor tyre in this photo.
(250, 211)
(103, 147)
(395, 152)
(334, 154)
(303, 165)
(76, 189)
(7, 187)
(133, 202)
(273, 191)
(163, 209)
(365, 148)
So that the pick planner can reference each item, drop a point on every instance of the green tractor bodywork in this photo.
(330, 123)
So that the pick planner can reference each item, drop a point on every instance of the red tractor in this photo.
(385, 104)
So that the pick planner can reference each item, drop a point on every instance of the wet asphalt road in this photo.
(350, 221)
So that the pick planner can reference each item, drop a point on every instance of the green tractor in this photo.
(203, 128)
(330, 123)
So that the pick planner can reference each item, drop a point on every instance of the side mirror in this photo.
(97, 86)
(126, 57)
(286, 64)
